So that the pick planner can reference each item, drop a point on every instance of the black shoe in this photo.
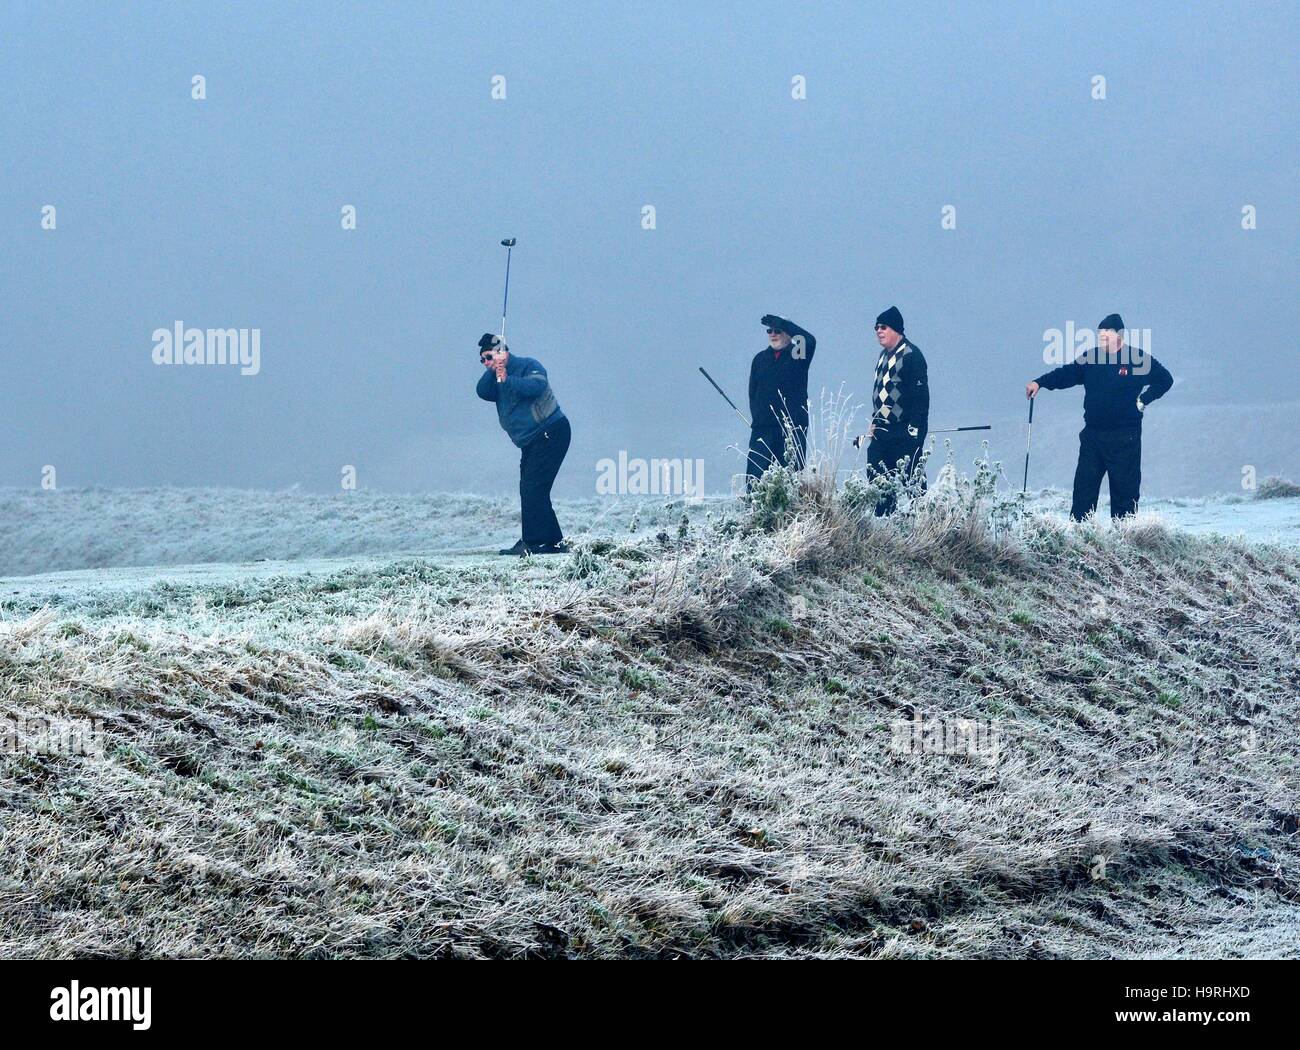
(517, 551)
(549, 548)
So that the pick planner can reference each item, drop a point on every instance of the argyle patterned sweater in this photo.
(900, 396)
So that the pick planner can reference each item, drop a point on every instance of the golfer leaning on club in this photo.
(1119, 381)
(529, 413)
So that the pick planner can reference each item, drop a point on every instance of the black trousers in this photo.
(538, 466)
(1116, 454)
(882, 458)
(767, 446)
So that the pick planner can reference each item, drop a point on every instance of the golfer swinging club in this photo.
(529, 413)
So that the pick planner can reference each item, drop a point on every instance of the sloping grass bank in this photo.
(958, 732)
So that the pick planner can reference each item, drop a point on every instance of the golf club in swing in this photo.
(508, 244)
(857, 441)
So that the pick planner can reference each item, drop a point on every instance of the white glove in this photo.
(1141, 407)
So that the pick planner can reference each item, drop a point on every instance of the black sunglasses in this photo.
(773, 331)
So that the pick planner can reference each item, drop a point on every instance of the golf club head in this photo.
(509, 242)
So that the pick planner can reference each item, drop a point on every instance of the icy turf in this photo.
(697, 739)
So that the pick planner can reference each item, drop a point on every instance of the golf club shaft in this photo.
(857, 441)
(1028, 438)
(505, 299)
(725, 397)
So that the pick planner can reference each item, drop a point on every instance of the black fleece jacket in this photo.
(1112, 385)
(778, 382)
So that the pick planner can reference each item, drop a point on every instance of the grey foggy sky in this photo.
(225, 213)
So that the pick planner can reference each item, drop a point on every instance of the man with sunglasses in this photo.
(778, 388)
(529, 413)
(900, 406)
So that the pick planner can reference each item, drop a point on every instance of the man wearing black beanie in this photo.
(1119, 381)
(900, 406)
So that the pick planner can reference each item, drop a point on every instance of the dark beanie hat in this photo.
(892, 318)
(490, 342)
(1112, 321)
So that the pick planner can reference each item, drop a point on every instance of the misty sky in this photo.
(226, 213)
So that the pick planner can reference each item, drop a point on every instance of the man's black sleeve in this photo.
(1159, 383)
(915, 394)
(1063, 377)
(487, 385)
(753, 387)
(809, 340)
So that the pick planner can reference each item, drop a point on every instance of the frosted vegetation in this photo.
(99, 528)
(691, 739)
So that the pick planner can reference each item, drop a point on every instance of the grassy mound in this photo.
(1277, 488)
(798, 731)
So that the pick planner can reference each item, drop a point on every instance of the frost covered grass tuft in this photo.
(1277, 488)
(965, 730)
